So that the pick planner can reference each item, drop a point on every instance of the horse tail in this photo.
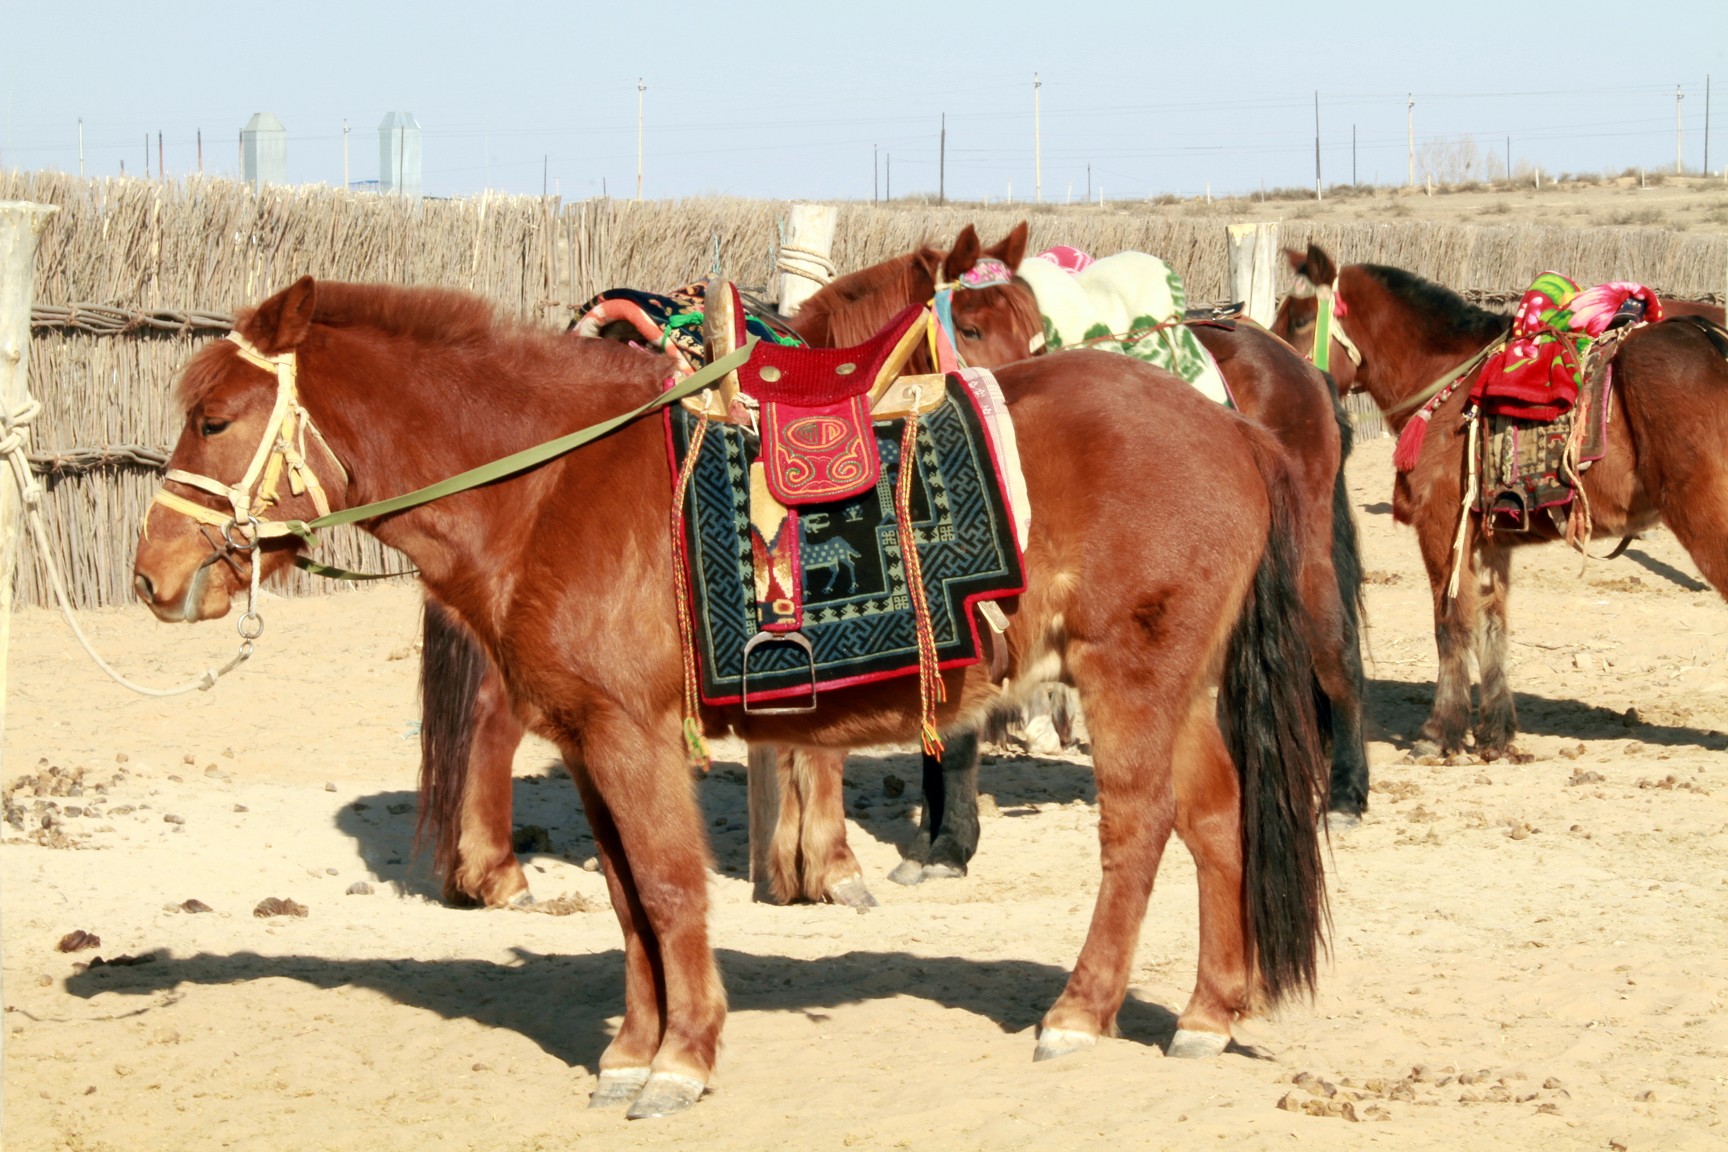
(1267, 715)
(451, 665)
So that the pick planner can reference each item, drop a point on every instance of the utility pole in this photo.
(146, 155)
(1352, 155)
(1088, 181)
(1679, 163)
(640, 88)
(875, 173)
(200, 151)
(1037, 144)
(1706, 124)
(1316, 145)
(1508, 158)
(161, 168)
(1410, 129)
(942, 165)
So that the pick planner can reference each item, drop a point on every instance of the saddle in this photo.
(796, 507)
(1543, 398)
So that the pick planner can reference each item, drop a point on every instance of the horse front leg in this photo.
(657, 873)
(1498, 723)
(1442, 733)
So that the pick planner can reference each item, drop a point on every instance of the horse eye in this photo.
(971, 333)
(212, 426)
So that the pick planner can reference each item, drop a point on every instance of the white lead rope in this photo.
(13, 445)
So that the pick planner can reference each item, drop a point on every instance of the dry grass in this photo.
(216, 245)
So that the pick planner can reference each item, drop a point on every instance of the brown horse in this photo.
(469, 732)
(1667, 439)
(466, 791)
(1175, 618)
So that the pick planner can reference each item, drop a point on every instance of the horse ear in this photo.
(1011, 249)
(1320, 269)
(282, 322)
(1298, 261)
(967, 248)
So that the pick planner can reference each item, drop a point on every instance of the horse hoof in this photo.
(617, 1087)
(908, 872)
(1188, 1044)
(664, 1094)
(1342, 821)
(852, 894)
(1054, 1042)
(944, 871)
(1424, 748)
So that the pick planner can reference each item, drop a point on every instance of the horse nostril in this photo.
(146, 590)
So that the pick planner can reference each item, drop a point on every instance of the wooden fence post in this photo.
(804, 264)
(20, 224)
(1254, 269)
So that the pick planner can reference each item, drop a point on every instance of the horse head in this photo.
(1316, 278)
(996, 317)
(248, 463)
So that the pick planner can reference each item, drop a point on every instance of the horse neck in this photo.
(403, 414)
(855, 307)
(1404, 347)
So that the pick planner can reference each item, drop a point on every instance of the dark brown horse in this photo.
(1175, 618)
(466, 792)
(1667, 446)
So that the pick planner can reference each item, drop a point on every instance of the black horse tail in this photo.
(1267, 715)
(451, 666)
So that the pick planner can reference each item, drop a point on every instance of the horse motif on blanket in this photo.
(791, 523)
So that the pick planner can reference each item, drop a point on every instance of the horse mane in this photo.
(454, 318)
(854, 308)
(1440, 312)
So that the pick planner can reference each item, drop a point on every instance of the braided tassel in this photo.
(695, 744)
(930, 689)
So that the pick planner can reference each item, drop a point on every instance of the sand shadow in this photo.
(1397, 708)
(562, 1003)
(1666, 571)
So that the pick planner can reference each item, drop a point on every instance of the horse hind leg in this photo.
(1497, 722)
(957, 831)
(1442, 734)
(827, 868)
(468, 740)
(1209, 821)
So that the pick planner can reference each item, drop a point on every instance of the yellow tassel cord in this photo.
(930, 689)
(695, 744)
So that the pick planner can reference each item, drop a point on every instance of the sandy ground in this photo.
(1526, 956)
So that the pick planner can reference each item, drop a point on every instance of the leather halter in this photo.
(282, 449)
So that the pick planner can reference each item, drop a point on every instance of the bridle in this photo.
(1328, 326)
(281, 451)
(986, 273)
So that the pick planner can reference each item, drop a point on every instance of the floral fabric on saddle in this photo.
(1536, 376)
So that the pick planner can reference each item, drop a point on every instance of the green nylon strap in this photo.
(331, 572)
(528, 457)
(1323, 333)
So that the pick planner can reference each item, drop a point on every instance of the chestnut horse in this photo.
(469, 737)
(1175, 618)
(1667, 443)
(469, 732)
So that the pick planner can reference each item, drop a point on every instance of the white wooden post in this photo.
(1254, 269)
(20, 224)
(805, 263)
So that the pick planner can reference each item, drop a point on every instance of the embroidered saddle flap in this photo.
(817, 441)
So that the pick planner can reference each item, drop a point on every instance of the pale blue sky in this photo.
(791, 99)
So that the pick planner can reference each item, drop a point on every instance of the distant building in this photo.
(264, 151)
(399, 155)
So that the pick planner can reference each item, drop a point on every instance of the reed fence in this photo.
(134, 274)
